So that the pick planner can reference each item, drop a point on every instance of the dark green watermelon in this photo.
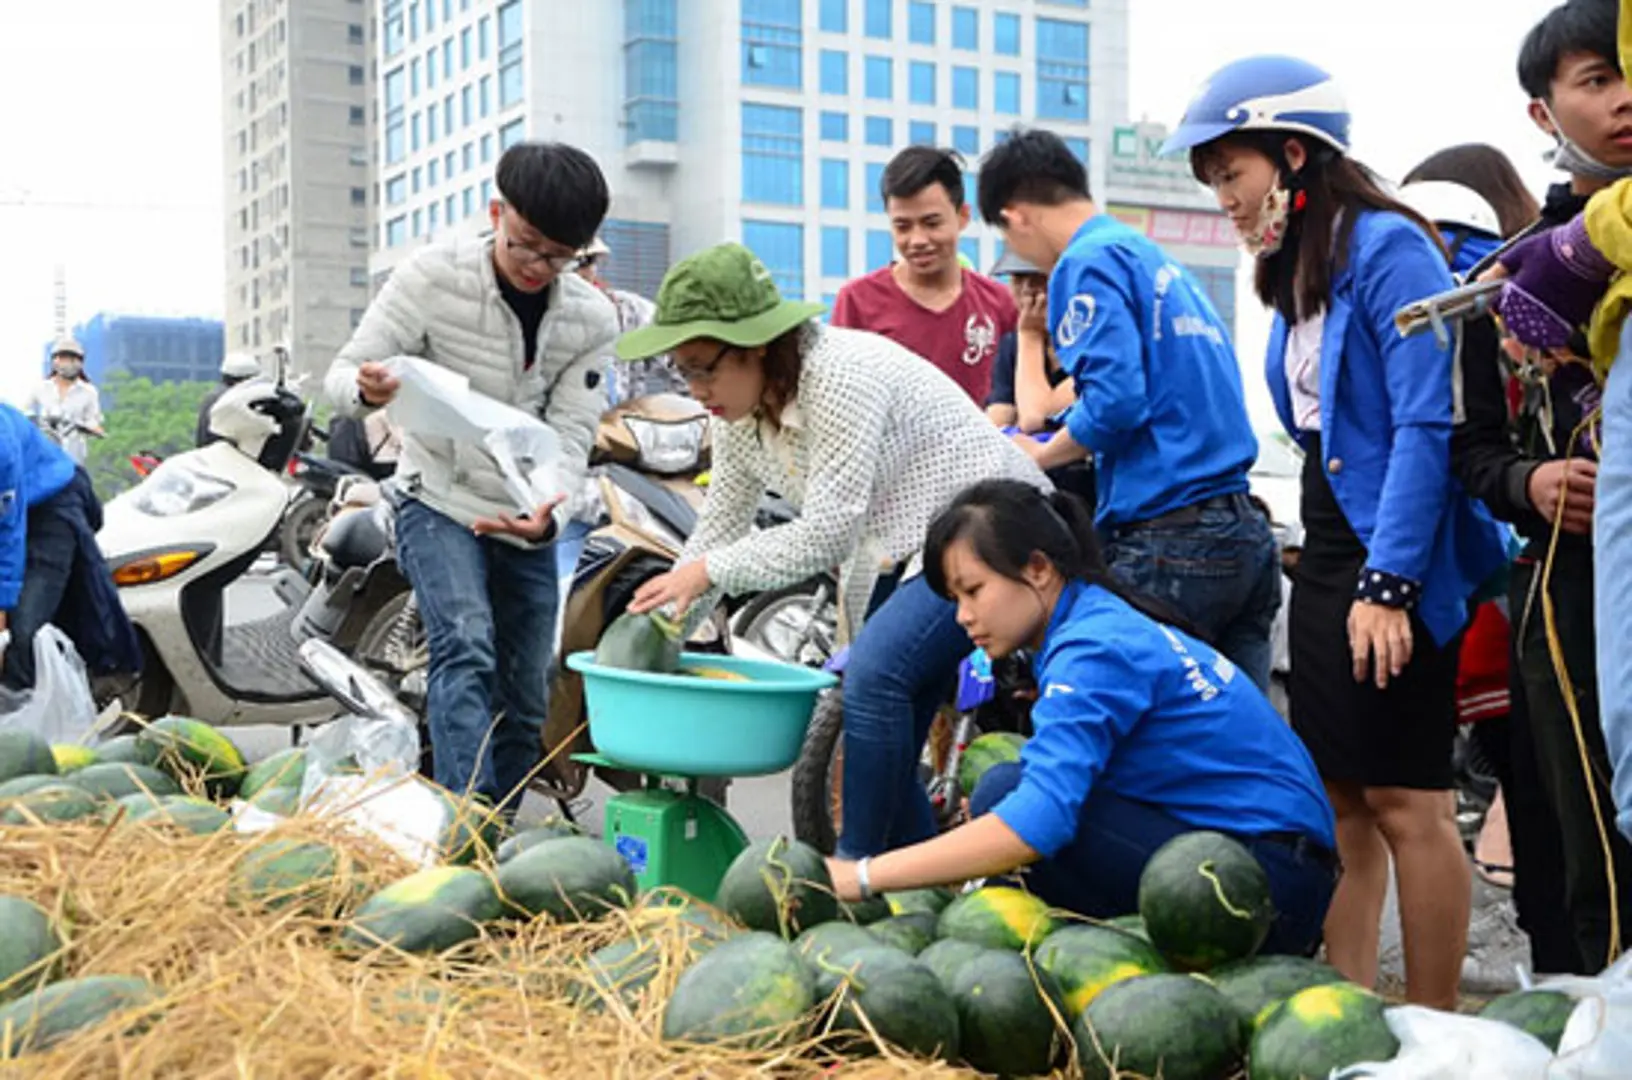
(1255, 987)
(912, 933)
(1542, 1013)
(1205, 901)
(1088, 959)
(305, 875)
(48, 804)
(119, 748)
(947, 957)
(998, 917)
(829, 942)
(1009, 1015)
(865, 912)
(551, 829)
(1173, 1026)
(1318, 1030)
(285, 769)
(52, 1013)
(992, 748)
(752, 991)
(571, 879)
(23, 753)
(645, 642)
(780, 886)
(115, 779)
(902, 1001)
(1129, 924)
(29, 945)
(933, 900)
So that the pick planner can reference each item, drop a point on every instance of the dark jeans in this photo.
(1564, 781)
(901, 667)
(1217, 565)
(1097, 874)
(489, 614)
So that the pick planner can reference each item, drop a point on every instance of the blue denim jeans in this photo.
(901, 668)
(1612, 541)
(1220, 570)
(1097, 874)
(489, 614)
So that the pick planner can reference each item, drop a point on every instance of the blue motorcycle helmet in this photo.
(1265, 94)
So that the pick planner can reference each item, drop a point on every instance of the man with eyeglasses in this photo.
(505, 311)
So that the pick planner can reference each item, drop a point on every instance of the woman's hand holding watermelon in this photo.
(680, 587)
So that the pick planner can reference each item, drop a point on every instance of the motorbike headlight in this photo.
(173, 489)
(668, 447)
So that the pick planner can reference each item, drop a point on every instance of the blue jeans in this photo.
(489, 614)
(901, 668)
(1217, 565)
(1097, 874)
(1612, 541)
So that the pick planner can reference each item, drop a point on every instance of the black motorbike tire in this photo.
(813, 774)
(296, 531)
(746, 616)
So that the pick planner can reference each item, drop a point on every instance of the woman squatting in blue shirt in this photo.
(1142, 732)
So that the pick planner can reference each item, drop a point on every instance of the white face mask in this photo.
(1569, 157)
(1268, 233)
(69, 369)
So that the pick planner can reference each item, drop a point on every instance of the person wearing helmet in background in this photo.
(630, 378)
(236, 367)
(1392, 549)
(66, 404)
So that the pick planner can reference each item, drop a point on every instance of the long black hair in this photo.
(1007, 521)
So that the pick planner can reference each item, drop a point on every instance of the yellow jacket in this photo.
(1609, 226)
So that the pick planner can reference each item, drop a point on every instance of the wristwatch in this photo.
(865, 886)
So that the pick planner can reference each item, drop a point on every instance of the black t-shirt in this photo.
(529, 308)
(1008, 356)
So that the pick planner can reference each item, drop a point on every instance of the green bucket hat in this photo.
(724, 293)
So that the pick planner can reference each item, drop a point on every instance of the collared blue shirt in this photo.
(32, 469)
(1156, 716)
(1159, 398)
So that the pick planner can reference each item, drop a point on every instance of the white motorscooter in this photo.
(192, 528)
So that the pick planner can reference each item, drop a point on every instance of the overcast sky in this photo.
(111, 131)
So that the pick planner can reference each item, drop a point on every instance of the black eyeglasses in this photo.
(704, 376)
(527, 256)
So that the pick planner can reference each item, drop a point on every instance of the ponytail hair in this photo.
(1007, 521)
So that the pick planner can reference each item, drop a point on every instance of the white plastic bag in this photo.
(1597, 1042)
(60, 708)
(1437, 1045)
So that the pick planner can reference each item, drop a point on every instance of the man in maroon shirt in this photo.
(927, 301)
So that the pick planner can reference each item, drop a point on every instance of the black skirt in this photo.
(1398, 737)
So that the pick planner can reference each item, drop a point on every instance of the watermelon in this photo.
(910, 933)
(1129, 924)
(309, 876)
(282, 801)
(1318, 1030)
(116, 779)
(427, 912)
(119, 748)
(1173, 1026)
(946, 958)
(191, 750)
(551, 829)
(570, 879)
(902, 1001)
(23, 785)
(646, 642)
(993, 748)
(473, 829)
(931, 901)
(1009, 1014)
(50, 803)
(1087, 959)
(285, 769)
(865, 912)
(752, 991)
(622, 970)
(134, 807)
(185, 812)
(830, 942)
(1205, 901)
(53, 1013)
(1542, 1013)
(28, 946)
(23, 753)
(998, 917)
(1255, 987)
(778, 886)
(72, 757)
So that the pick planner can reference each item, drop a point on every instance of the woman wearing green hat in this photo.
(869, 441)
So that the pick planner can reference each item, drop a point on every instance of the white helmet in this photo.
(67, 346)
(1447, 203)
(239, 365)
(235, 418)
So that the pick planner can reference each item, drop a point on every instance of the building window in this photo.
(430, 124)
(450, 164)
(467, 106)
(450, 208)
(772, 154)
(413, 77)
(433, 171)
(772, 43)
(418, 179)
(835, 127)
(878, 23)
(430, 15)
(487, 192)
(651, 72)
(781, 247)
(921, 133)
(486, 95)
(430, 69)
(359, 276)
(879, 131)
(835, 184)
(396, 231)
(357, 116)
(395, 103)
(1079, 147)
(511, 134)
(835, 251)
(835, 72)
(359, 155)
(354, 74)
(467, 156)
(921, 22)
(966, 29)
(880, 249)
(354, 34)
(880, 76)
(834, 17)
(413, 133)
(359, 196)
(469, 198)
(875, 188)
(447, 59)
(511, 87)
(1006, 33)
(1006, 93)
(418, 227)
(487, 149)
(921, 82)
(966, 139)
(966, 88)
(1062, 70)
(466, 39)
(396, 190)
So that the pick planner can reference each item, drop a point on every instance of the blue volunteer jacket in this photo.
(1386, 408)
(1159, 398)
(32, 469)
(1155, 716)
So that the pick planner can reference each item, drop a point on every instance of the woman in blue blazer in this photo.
(1393, 548)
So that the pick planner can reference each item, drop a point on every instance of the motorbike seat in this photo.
(356, 538)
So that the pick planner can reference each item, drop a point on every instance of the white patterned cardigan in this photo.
(876, 443)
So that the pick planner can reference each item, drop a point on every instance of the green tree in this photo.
(141, 416)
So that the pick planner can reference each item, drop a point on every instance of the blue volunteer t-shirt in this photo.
(32, 469)
(1159, 398)
(1155, 716)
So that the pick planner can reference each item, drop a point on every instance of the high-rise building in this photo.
(298, 82)
(160, 349)
(765, 121)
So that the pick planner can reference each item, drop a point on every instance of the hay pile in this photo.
(257, 993)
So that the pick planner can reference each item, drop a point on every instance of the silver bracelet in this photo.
(862, 883)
